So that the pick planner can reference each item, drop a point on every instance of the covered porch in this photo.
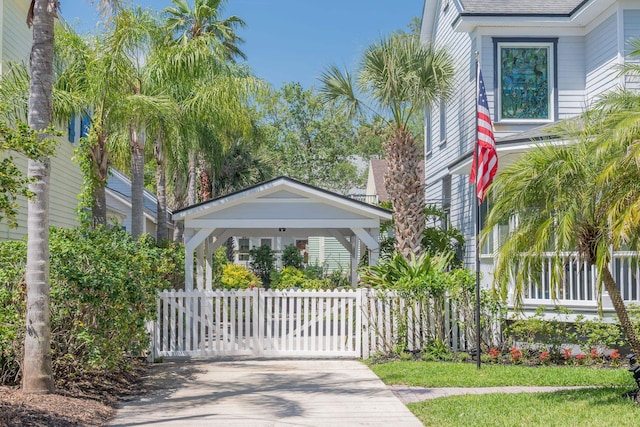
(281, 207)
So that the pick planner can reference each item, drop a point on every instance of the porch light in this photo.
(282, 230)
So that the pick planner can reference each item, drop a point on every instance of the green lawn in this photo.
(589, 407)
(449, 374)
(584, 408)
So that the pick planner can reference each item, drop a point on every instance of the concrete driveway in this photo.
(265, 393)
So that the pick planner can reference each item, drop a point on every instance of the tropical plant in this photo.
(401, 76)
(561, 204)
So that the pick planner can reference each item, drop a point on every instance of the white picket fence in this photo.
(258, 322)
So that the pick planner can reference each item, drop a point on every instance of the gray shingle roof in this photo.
(119, 183)
(521, 7)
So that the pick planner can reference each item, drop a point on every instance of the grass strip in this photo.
(584, 408)
(450, 374)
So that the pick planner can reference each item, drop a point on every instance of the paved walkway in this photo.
(262, 392)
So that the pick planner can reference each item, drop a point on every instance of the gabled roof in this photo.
(280, 190)
(378, 169)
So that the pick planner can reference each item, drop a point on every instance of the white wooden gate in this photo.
(257, 322)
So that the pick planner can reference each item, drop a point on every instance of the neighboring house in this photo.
(375, 180)
(118, 192)
(66, 178)
(542, 61)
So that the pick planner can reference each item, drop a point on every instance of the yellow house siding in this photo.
(66, 178)
(16, 36)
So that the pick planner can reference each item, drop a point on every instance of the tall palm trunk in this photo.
(205, 181)
(100, 157)
(37, 376)
(405, 187)
(193, 178)
(137, 139)
(161, 191)
(621, 310)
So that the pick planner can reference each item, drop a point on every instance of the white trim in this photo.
(281, 223)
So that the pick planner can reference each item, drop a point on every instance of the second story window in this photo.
(525, 71)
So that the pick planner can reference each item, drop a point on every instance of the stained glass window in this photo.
(525, 82)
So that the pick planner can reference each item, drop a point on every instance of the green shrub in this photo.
(289, 277)
(103, 289)
(262, 263)
(238, 277)
(291, 257)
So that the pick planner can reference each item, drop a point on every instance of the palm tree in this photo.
(401, 77)
(561, 203)
(213, 93)
(37, 375)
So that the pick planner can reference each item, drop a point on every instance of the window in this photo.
(243, 249)
(443, 123)
(525, 79)
(266, 242)
(85, 125)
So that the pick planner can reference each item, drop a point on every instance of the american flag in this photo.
(487, 158)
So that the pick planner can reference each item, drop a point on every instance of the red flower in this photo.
(615, 354)
(545, 355)
(594, 354)
(516, 355)
(494, 353)
(567, 354)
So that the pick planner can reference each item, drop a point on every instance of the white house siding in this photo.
(571, 76)
(460, 119)
(631, 22)
(66, 178)
(329, 254)
(601, 55)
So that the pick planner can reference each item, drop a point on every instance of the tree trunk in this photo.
(37, 376)
(100, 157)
(405, 186)
(621, 310)
(205, 183)
(137, 137)
(161, 192)
(192, 184)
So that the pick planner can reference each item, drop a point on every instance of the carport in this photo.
(279, 207)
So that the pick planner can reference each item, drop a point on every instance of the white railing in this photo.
(579, 285)
(259, 322)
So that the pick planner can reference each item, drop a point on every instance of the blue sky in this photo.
(294, 40)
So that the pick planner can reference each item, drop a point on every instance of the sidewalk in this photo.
(265, 393)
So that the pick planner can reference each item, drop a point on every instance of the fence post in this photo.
(256, 319)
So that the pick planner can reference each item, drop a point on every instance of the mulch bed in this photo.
(88, 400)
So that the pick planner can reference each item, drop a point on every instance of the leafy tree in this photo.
(13, 182)
(311, 141)
(400, 76)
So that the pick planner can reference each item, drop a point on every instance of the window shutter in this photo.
(72, 129)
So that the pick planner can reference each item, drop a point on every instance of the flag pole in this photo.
(477, 224)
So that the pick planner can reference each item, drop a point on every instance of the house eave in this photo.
(585, 13)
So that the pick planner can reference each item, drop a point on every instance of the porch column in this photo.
(209, 263)
(188, 261)
(200, 266)
(354, 261)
